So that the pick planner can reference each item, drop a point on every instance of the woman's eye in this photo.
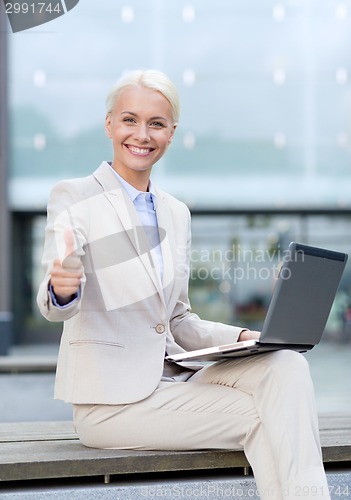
(157, 124)
(129, 120)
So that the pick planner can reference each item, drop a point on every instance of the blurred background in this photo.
(262, 155)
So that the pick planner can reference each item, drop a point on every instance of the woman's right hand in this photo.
(66, 275)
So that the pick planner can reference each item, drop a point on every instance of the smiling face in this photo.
(141, 128)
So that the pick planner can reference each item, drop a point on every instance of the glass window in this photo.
(235, 262)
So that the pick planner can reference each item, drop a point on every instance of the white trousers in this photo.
(264, 404)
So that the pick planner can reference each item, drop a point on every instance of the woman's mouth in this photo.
(135, 150)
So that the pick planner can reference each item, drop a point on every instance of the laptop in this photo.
(299, 308)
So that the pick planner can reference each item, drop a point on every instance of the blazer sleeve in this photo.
(188, 329)
(64, 211)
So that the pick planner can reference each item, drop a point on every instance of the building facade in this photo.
(262, 154)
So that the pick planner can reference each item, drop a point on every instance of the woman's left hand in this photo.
(249, 335)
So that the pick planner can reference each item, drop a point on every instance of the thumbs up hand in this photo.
(66, 275)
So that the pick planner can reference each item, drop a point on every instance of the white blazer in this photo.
(116, 333)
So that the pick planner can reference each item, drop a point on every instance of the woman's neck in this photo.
(139, 180)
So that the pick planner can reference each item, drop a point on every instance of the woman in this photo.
(117, 267)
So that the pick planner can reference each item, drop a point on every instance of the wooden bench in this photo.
(43, 450)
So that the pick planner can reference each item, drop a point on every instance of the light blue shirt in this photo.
(145, 205)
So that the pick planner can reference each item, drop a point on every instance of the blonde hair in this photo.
(151, 79)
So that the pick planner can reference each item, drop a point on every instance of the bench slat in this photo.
(36, 431)
(336, 422)
(41, 460)
(43, 450)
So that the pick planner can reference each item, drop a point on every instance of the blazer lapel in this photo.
(130, 221)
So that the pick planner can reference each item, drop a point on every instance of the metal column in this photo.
(5, 232)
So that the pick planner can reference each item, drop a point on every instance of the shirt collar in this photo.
(132, 192)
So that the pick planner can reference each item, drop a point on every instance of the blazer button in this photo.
(160, 328)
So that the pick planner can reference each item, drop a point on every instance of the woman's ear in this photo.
(108, 125)
(172, 134)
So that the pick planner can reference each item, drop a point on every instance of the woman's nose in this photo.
(141, 133)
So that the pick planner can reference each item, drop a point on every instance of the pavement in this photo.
(168, 489)
(27, 393)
